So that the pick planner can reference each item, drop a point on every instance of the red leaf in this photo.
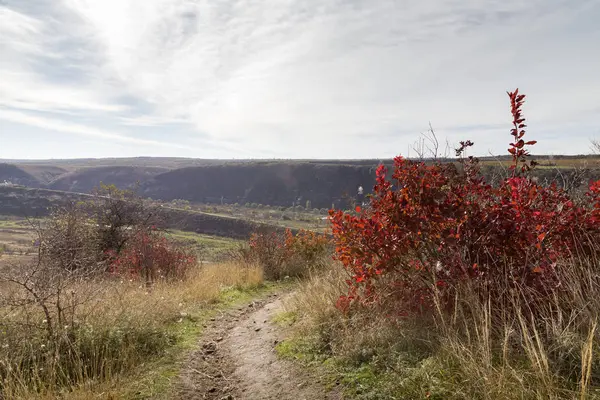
(541, 236)
(357, 209)
(531, 142)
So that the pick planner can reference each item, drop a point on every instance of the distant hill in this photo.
(83, 180)
(272, 182)
(43, 173)
(159, 162)
(15, 175)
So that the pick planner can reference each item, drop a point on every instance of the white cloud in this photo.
(77, 129)
(151, 120)
(20, 29)
(319, 78)
(24, 90)
(30, 49)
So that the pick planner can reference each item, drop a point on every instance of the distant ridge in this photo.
(318, 183)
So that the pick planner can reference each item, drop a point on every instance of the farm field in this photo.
(16, 239)
(17, 236)
(285, 217)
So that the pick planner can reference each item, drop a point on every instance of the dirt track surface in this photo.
(236, 360)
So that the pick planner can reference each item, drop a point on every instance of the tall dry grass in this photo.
(485, 348)
(116, 326)
(547, 349)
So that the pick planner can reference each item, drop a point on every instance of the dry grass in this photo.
(316, 297)
(15, 243)
(479, 351)
(117, 326)
(548, 350)
(545, 162)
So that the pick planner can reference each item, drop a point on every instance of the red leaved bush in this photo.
(151, 256)
(283, 254)
(432, 227)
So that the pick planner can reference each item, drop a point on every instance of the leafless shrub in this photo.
(428, 146)
(66, 254)
(118, 214)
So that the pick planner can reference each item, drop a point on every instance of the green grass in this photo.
(210, 247)
(297, 219)
(300, 221)
(418, 378)
(332, 371)
(13, 223)
(286, 318)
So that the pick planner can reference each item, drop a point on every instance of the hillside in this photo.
(268, 182)
(43, 173)
(158, 162)
(279, 184)
(25, 202)
(85, 179)
(16, 175)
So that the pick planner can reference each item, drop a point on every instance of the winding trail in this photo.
(236, 359)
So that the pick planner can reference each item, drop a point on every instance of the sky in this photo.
(293, 78)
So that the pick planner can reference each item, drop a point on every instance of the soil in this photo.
(236, 359)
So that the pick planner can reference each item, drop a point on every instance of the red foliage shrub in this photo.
(268, 250)
(433, 226)
(151, 256)
(286, 254)
(308, 245)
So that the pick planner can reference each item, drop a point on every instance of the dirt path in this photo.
(237, 360)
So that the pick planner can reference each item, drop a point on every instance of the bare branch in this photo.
(596, 146)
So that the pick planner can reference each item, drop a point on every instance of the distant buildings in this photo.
(360, 197)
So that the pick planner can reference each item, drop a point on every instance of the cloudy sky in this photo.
(292, 78)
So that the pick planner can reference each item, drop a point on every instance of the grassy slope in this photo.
(177, 311)
(210, 248)
(293, 219)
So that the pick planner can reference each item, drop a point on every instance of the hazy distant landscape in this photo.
(229, 197)
(299, 200)
(269, 182)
